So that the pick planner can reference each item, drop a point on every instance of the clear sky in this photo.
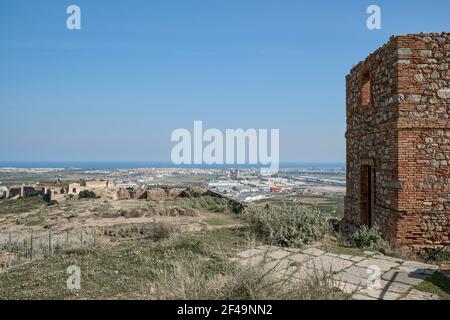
(138, 69)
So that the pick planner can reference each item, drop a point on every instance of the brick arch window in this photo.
(366, 90)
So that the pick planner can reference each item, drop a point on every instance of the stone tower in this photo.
(398, 142)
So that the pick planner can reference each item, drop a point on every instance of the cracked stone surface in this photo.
(411, 278)
(396, 279)
(299, 258)
(279, 254)
(383, 264)
(328, 263)
(313, 252)
(419, 295)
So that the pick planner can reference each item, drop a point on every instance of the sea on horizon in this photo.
(155, 164)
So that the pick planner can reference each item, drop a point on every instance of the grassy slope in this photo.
(438, 284)
(126, 270)
(22, 205)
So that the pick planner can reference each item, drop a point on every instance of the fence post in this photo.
(81, 236)
(49, 243)
(9, 250)
(31, 247)
(67, 237)
(94, 235)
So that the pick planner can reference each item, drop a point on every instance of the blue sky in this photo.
(137, 70)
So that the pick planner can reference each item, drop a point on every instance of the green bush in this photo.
(87, 194)
(291, 226)
(370, 238)
(159, 231)
(210, 203)
(437, 255)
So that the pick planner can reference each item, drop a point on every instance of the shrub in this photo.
(210, 203)
(87, 194)
(370, 238)
(52, 203)
(291, 226)
(159, 231)
(132, 213)
(437, 255)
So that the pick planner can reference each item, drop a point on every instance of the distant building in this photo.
(3, 192)
(92, 185)
(235, 174)
(276, 189)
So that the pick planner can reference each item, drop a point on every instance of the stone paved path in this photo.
(351, 273)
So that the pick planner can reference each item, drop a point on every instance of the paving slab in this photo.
(314, 252)
(362, 297)
(380, 294)
(345, 256)
(410, 278)
(277, 266)
(266, 248)
(347, 287)
(278, 254)
(252, 261)
(349, 278)
(419, 265)
(384, 265)
(397, 287)
(299, 258)
(303, 273)
(354, 275)
(415, 270)
(357, 258)
(293, 250)
(392, 259)
(419, 295)
(350, 272)
(327, 263)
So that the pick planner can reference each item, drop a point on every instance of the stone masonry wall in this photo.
(372, 138)
(400, 128)
(424, 140)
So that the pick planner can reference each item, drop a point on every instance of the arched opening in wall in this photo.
(366, 90)
(74, 190)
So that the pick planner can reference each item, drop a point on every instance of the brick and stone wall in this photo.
(398, 127)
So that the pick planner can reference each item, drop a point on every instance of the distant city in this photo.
(242, 184)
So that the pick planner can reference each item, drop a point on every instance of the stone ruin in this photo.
(398, 142)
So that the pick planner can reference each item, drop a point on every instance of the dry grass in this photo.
(187, 282)
(181, 266)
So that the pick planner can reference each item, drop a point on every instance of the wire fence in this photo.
(17, 248)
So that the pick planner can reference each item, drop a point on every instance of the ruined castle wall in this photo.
(372, 138)
(74, 188)
(402, 131)
(424, 140)
(96, 184)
